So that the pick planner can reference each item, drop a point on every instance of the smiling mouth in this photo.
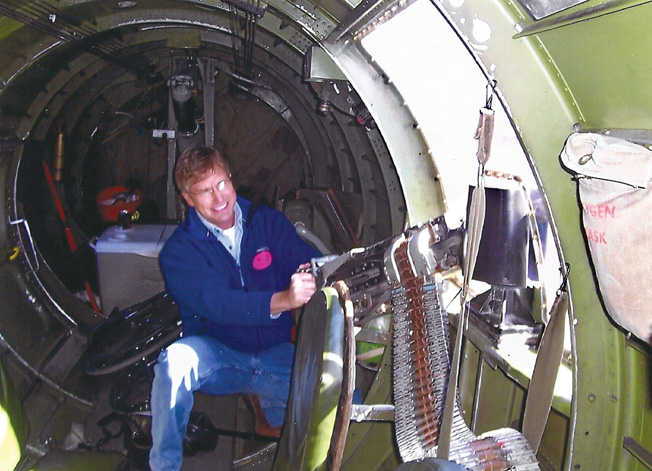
(220, 208)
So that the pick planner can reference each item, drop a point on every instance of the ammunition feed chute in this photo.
(407, 272)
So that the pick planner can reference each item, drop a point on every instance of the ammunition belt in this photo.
(421, 370)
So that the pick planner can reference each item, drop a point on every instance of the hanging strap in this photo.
(542, 385)
(485, 131)
(484, 135)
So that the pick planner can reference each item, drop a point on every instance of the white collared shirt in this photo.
(231, 238)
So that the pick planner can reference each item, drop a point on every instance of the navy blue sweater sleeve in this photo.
(206, 284)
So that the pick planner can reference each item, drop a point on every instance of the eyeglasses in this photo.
(207, 193)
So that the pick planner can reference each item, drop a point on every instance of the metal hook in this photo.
(36, 265)
(490, 90)
(564, 280)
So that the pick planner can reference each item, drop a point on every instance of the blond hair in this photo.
(195, 164)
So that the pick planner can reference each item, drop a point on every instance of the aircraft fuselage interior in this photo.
(474, 172)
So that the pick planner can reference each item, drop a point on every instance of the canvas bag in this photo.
(614, 187)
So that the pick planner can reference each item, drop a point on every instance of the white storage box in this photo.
(127, 264)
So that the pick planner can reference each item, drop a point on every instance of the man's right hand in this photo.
(302, 287)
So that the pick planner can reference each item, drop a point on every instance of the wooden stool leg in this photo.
(263, 428)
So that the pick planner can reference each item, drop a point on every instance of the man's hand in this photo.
(302, 287)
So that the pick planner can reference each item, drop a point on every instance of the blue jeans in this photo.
(201, 363)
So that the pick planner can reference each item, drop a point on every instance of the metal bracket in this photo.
(637, 450)
(372, 413)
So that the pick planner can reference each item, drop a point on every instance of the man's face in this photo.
(214, 198)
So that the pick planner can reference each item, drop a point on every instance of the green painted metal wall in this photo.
(594, 73)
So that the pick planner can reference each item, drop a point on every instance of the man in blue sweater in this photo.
(232, 267)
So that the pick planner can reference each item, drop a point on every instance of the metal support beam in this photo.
(171, 206)
(208, 71)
